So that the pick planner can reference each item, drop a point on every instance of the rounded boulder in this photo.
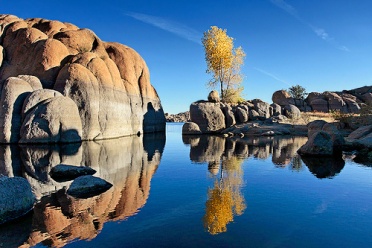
(190, 128)
(54, 120)
(16, 198)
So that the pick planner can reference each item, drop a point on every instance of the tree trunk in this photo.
(222, 95)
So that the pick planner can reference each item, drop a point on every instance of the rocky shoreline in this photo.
(258, 118)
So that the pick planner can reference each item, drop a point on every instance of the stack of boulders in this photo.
(347, 101)
(213, 116)
(60, 83)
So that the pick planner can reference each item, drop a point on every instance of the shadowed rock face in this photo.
(108, 83)
(128, 163)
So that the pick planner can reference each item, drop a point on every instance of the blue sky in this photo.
(321, 45)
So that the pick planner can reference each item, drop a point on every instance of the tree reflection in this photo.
(225, 199)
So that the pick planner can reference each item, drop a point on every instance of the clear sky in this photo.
(321, 45)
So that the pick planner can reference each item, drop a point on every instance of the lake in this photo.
(206, 191)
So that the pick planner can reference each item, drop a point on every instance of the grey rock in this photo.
(360, 133)
(362, 137)
(213, 96)
(64, 172)
(190, 128)
(253, 115)
(277, 110)
(180, 117)
(367, 98)
(244, 106)
(313, 96)
(282, 98)
(14, 92)
(88, 186)
(16, 198)
(280, 118)
(229, 116)
(241, 115)
(336, 136)
(291, 111)
(335, 102)
(208, 116)
(55, 120)
(365, 141)
(320, 105)
(262, 108)
(319, 144)
(352, 105)
(314, 127)
(36, 97)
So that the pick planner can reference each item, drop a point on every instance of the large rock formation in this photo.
(103, 87)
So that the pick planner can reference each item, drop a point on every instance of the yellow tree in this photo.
(224, 63)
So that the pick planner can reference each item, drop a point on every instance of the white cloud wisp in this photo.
(178, 29)
(320, 32)
(271, 75)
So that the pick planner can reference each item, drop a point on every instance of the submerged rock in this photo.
(88, 186)
(16, 198)
(64, 172)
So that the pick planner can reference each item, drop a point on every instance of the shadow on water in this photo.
(128, 163)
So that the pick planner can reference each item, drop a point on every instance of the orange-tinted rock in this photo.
(109, 82)
(59, 218)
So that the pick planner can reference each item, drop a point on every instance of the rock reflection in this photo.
(205, 148)
(324, 167)
(224, 157)
(128, 163)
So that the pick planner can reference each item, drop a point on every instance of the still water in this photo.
(202, 191)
